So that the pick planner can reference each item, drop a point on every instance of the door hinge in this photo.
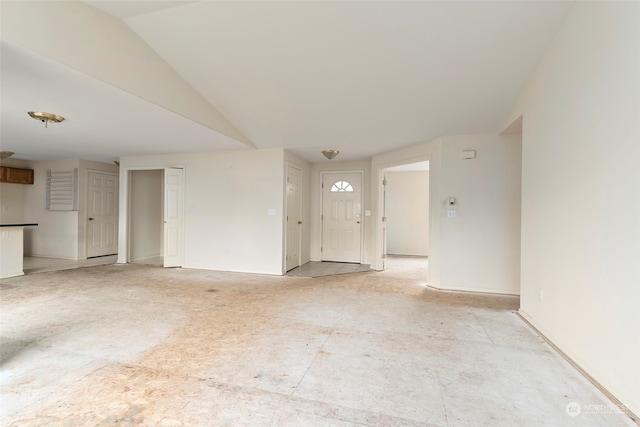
(321, 248)
(287, 218)
(384, 219)
(384, 182)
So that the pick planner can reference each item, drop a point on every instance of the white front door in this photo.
(102, 214)
(341, 217)
(293, 218)
(173, 217)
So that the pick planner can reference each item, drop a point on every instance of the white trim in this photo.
(577, 363)
(474, 290)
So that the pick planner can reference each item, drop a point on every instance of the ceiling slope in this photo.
(361, 77)
(102, 46)
(102, 123)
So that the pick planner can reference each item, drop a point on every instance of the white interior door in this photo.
(102, 214)
(384, 219)
(341, 217)
(293, 218)
(173, 217)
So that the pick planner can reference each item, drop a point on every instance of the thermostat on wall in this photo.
(468, 154)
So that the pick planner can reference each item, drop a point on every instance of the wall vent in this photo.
(62, 190)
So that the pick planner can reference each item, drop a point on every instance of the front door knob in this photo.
(90, 219)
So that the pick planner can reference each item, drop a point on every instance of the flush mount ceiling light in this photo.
(330, 154)
(45, 118)
(6, 154)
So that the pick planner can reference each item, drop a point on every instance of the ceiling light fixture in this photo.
(45, 118)
(330, 154)
(6, 154)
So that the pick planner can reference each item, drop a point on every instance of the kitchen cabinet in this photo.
(16, 175)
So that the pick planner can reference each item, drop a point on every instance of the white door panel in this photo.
(293, 218)
(341, 217)
(173, 217)
(102, 214)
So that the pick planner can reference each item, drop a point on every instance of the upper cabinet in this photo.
(15, 175)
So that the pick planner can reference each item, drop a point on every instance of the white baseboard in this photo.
(475, 290)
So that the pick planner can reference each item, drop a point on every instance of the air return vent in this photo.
(62, 190)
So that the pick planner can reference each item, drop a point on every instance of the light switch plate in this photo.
(271, 212)
(451, 213)
(5, 234)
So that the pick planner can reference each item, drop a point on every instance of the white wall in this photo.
(407, 212)
(479, 249)
(146, 187)
(59, 234)
(581, 194)
(227, 197)
(56, 235)
(481, 245)
(316, 203)
(12, 196)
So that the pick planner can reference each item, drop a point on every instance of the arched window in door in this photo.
(342, 187)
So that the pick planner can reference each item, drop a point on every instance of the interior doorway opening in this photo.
(146, 231)
(405, 217)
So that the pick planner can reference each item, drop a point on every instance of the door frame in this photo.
(124, 223)
(362, 215)
(377, 262)
(86, 208)
(286, 210)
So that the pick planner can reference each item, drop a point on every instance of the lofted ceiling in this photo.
(101, 123)
(361, 77)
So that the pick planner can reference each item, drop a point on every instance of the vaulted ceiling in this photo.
(174, 76)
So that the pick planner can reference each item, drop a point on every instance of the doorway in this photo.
(342, 216)
(145, 219)
(406, 218)
(155, 214)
